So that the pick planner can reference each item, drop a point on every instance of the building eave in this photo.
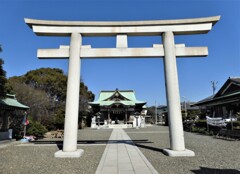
(10, 102)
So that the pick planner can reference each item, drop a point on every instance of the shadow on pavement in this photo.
(150, 148)
(59, 143)
(205, 170)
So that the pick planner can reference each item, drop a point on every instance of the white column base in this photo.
(75, 154)
(180, 153)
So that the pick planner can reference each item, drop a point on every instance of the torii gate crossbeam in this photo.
(168, 51)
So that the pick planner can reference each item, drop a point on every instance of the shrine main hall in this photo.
(117, 106)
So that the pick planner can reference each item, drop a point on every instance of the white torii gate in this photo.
(168, 50)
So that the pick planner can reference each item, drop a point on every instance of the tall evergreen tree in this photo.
(3, 79)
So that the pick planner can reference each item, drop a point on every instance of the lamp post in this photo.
(136, 116)
(98, 119)
(156, 112)
(25, 122)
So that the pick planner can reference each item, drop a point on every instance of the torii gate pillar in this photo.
(72, 101)
(168, 51)
(173, 99)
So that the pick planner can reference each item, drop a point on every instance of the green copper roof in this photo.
(126, 97)
(128, 94)
(11, 101)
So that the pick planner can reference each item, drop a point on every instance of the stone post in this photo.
(126, 120)
(177, 143)
(72, 101)
(109, 119)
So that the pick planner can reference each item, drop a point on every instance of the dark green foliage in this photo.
(44, 91)
(36, 129)
(201, 124)
(16, 125)
(36, 99)
(59, 118)
(151, 110)
(85, 97)
(52, 81)
(193, 113)
(236, 124)
(3, 79)
(200, 130)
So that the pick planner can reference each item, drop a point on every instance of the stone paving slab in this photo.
(121, 156)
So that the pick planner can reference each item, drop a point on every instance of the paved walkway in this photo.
(121, 156)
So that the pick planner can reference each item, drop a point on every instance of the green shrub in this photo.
(36, 129)
(201, 123)
(194, 129)
(236, 124)
(199, 130)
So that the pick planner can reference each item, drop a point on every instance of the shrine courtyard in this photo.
(213, 155)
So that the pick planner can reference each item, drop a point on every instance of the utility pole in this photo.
(185, 106)
(185, 103)
(214, 86)
(155, 112)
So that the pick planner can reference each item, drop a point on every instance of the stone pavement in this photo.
(121, 156)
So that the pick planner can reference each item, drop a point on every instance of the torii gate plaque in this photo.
(169, 51)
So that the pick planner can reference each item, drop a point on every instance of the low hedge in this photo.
(201, 123)
(236, 124)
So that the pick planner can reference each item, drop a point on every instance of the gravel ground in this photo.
(213, 156)
(39, 159)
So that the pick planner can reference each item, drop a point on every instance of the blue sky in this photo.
(145, 76)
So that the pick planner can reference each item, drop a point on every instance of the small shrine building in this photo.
(117, 106)
(8, 105)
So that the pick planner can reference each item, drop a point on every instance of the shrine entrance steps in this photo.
(115, 126)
